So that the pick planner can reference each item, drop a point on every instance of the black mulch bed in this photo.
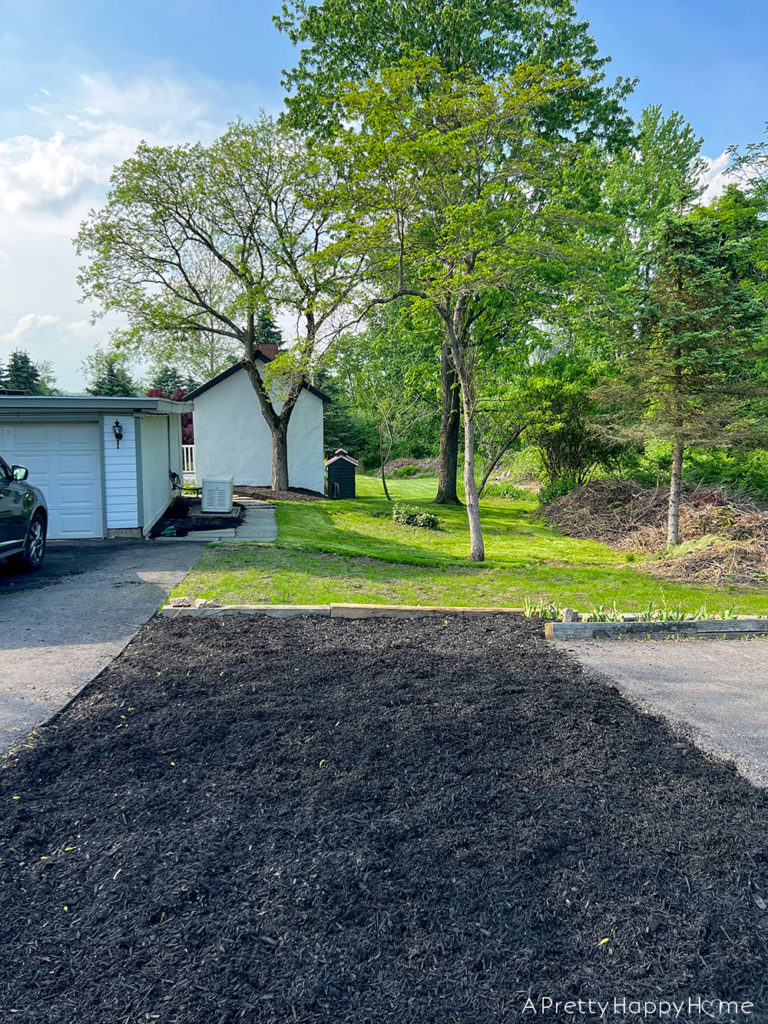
(270, 494)
(185, 516)
(327, 821)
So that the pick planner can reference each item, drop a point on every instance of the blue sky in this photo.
(82, 81)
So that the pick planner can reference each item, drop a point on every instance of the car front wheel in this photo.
(31, 558)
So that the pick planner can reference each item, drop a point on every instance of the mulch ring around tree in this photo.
(319, 820)
(186, 516)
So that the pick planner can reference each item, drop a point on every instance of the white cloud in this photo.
(27, 323)
(715, 178)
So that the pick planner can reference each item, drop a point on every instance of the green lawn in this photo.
(341, 551)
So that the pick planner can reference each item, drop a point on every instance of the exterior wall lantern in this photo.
(117, 430)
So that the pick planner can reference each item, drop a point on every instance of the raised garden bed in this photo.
(315, 820)
(186, 516)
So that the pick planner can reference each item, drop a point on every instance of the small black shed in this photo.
(341, 475)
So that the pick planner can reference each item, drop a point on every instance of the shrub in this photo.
(406, 471)
(556, 489)
(410, 515)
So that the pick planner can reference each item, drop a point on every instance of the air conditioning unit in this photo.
(217, 494)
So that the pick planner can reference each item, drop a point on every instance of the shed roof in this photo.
(239, 366)
(342, 455)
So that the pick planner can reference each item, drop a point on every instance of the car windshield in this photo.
(4, 470)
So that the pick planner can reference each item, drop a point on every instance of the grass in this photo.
(351, 551)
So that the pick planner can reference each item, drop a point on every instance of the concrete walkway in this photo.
(258, 525)
(60, 627)
(713, 691)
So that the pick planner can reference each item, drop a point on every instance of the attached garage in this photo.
(105, 465)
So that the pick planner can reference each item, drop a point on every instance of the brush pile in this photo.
(730, 535)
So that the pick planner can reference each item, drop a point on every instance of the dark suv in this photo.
(23, 518)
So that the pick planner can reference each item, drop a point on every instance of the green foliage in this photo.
(266, 331)
(554, 489)
(170, 380)
(411, 515)
(701, 334)
(559, 394)
(21, 374)
(107, 375)
(506, 489)
(740, 469)
(345, 41)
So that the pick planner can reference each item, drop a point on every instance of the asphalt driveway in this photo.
(713, 691)
(61, 626)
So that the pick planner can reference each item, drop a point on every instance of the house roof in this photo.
(88, 403)
(239, 366)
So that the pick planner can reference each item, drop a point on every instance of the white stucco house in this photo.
(105, 465)
(232, 438)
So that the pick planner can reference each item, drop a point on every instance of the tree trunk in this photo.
(280, 456)
(476, 545)
(450, 422)
(673, 514)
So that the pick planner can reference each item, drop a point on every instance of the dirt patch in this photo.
(349, 822)
(268, 494)
(633, 518)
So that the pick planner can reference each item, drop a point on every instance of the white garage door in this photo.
(64, 461)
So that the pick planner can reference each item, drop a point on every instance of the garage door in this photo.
(64, 461)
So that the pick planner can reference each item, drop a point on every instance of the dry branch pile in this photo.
(634, 518)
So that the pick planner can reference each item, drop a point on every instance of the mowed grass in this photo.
(351, 551)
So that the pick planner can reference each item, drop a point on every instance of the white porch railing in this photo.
(188, 462)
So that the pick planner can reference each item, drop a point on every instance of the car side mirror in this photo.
(20, 472)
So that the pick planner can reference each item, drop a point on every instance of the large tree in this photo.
(349, 41)
(195, 241)
(456, 199)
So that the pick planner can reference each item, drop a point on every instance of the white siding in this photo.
(233, 439)
(155, 465)
(120, 474)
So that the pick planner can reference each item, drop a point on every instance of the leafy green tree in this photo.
(22, 374)
(455, 200)
(686, 373)
(107, 375)
(349, 41)
(195, 241)
(559, 392)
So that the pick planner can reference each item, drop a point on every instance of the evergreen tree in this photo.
(108, 376)
(687, 362)
(266, 331)
(167, 381)
(21, 374)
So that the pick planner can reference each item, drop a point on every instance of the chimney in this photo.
(268, 349)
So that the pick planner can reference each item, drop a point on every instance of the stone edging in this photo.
(654, 630)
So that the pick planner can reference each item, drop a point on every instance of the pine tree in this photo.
(108, 376)
(21, 374)
(688, 364)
